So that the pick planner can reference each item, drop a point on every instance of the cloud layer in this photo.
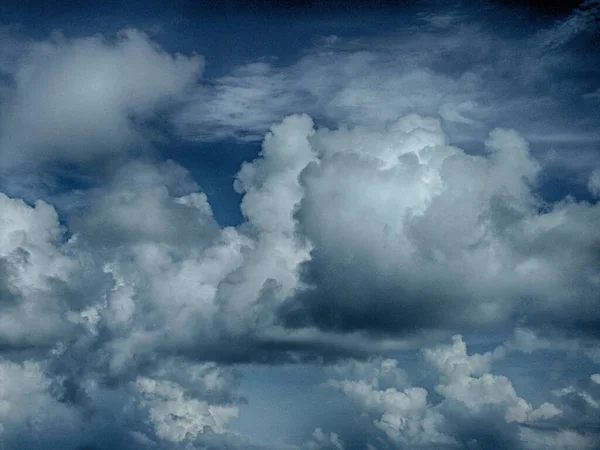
(391, 215)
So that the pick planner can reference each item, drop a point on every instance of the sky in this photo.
(318, 225)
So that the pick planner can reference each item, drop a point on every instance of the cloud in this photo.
(474, 408)
(401, 223)
(81, 98)
(34, 270)
(123, 322)
(594, 183)
(322, 440)
(470, 384)
(141, 204)
(527, 341)
(474, 77)
(93, 321)
(152, 411)
(177, 418)
(355, 240)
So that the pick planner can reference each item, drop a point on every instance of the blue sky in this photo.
(299, 225)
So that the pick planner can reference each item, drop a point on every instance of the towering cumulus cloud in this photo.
(409, 232)
(407, 270)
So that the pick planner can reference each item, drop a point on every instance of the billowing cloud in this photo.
(350, 236)
(394, 208)
(474, 408)
(322, 440)
(34, 270)
(81, 98)
(401, 223)
(527, 341)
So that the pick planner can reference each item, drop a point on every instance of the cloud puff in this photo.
(594, 183)
(81, 98)
(408, 232)
(474, 408)
(92, 323)
(322, 440)
(33, 272)
(177, 418)
(468, 382)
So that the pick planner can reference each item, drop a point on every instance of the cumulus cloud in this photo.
(468, 382)
(80, 98)
(400, 222)
(474, 408)
(121, 322)
(322, 440)
(177, 418)
(34, 271)
(90, 313)
(349, 236)
(150, 412)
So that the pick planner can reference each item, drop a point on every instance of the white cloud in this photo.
(350, 235)
(81, 98)
(470, 383)
(399, 222)
(405, 416)
(330, 84)
(24, 398)
(322, 440)
(33, 267)
(468, 74)
(177, 417)
(594, 183)
(472, 398)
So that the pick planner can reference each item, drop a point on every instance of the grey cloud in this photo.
(81, 98)
(408, 233)
(85, 320)
(476, 409)
(594, 183)
(581, 403)
(122, 327)
(134, 295)
(142, 204)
